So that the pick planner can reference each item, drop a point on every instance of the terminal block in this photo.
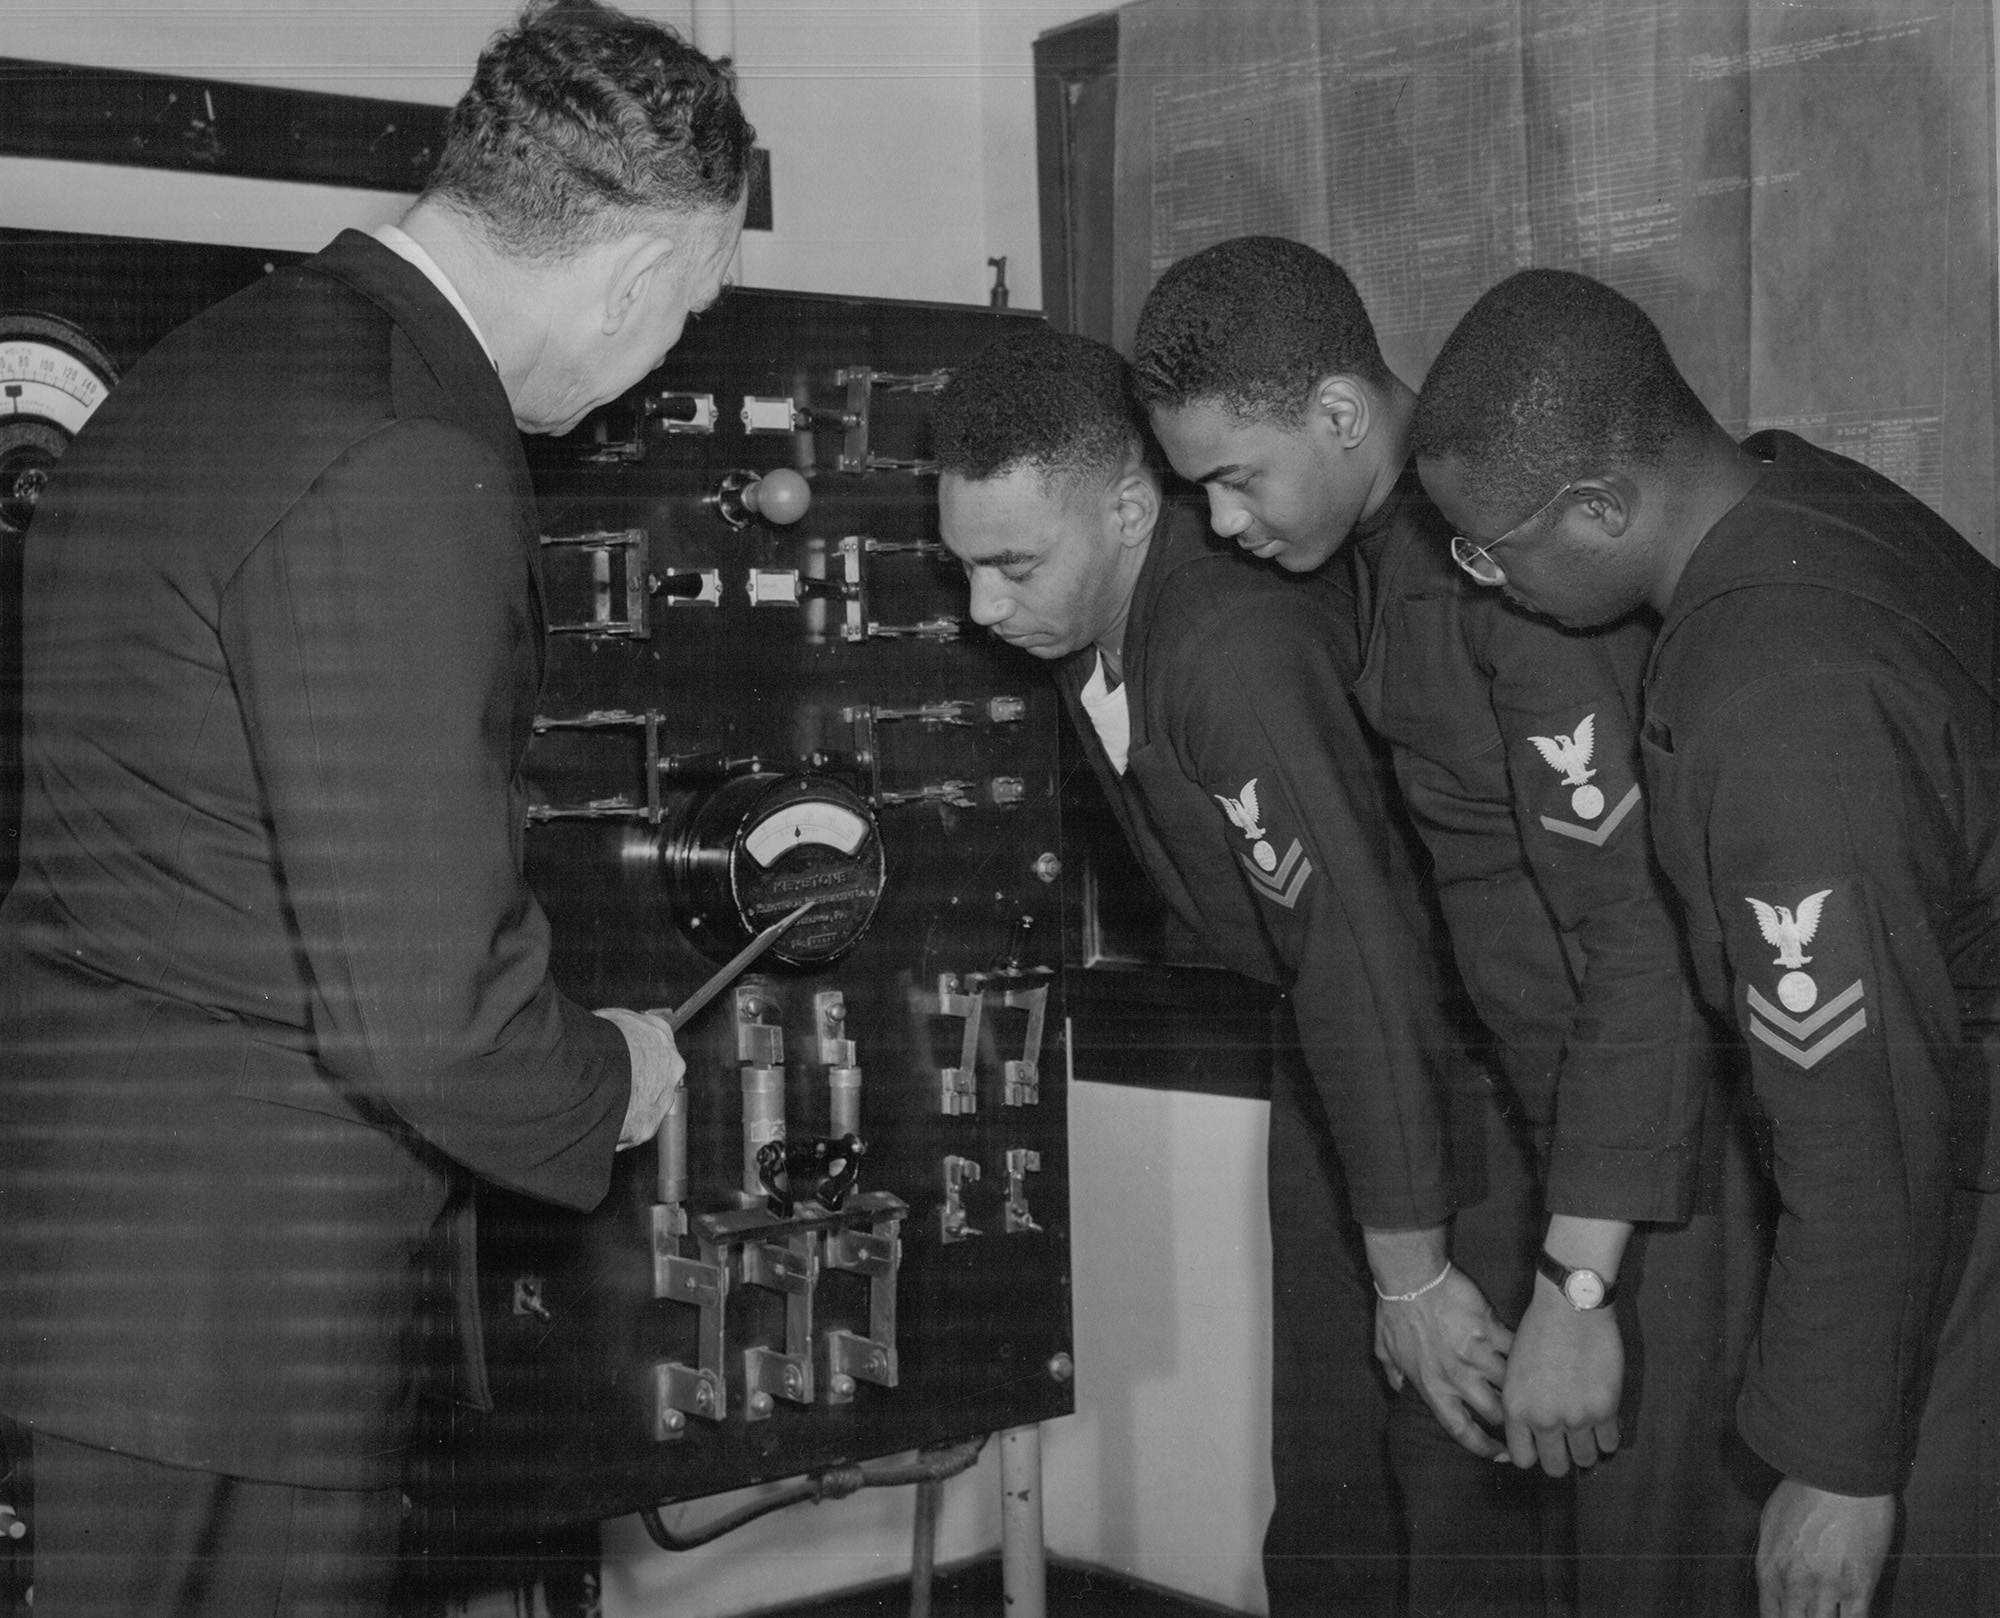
(1022, 1083)
(786, 1263)
(619, 436)
(752, 1247)
(618, 583)
(836, 575)
(861, 382)
(953, 1225)
(622, 584)
(875, 1252)
(1022, 1161)
(958, 1085)
(837, 1055)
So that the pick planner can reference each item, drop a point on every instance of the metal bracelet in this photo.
(1411, 1297)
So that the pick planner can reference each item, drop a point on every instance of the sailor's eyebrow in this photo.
(1000, 559)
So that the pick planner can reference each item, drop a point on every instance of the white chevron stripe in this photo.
(1811, 1025)
(1284, 870)
(1275, 887)
(1810, 1056)
(1596, 836)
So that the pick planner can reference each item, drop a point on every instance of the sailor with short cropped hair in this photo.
(1820, 751)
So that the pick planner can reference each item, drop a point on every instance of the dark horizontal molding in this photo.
(215, 126)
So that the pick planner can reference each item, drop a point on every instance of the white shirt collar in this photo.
(1110, 715)
(406, 246)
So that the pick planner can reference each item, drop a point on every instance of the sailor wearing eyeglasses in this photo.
(1515, 746)
(1820, 756)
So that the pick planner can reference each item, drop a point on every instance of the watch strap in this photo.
(1560, 1273)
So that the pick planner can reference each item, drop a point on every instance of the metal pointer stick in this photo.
(737, 962)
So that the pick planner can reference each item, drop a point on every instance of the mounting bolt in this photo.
(843, 1386)
(675, 1420)
(1048, 867)
(760, 1403)
(1062, 1368)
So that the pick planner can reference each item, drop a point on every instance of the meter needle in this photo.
(737, 962)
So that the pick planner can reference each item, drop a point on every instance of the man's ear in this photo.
(1610, 501)
(1135, 508)
(632, 265)
(1341, 408)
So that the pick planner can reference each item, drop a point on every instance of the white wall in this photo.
(901, 131)
(1163, 1472)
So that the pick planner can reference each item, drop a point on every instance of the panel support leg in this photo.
(1023, 1572)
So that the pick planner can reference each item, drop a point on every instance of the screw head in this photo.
(760, 1403)
(1048, 867)
(1062, 1368)
(675, 1420)
(843, 1386)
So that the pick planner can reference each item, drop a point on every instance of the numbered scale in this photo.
(52, 379)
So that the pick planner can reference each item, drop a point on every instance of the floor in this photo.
(975, 1592)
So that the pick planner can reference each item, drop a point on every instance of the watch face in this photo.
(1584, 1288)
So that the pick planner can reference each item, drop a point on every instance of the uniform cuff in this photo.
(1650, 1185)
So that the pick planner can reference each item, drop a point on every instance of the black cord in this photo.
(930, 1466)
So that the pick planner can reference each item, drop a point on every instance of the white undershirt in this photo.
(406, 246)
(1109, 715)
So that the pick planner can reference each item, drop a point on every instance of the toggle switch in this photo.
(779, 497)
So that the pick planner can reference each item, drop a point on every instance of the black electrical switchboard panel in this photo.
(767, 721)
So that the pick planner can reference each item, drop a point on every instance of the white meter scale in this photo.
(762, 844)
(52, 379)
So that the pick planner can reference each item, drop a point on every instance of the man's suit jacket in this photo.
(270, 981)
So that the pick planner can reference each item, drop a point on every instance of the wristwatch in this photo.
(1581, 1289)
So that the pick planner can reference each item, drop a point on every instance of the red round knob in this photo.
(779, 497)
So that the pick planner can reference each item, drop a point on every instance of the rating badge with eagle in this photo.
(1281, 878)
(1579, 783)
(1801, 983)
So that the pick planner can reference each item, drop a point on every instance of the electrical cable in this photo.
(930, 1466)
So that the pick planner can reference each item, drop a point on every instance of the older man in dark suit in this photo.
(271, 986)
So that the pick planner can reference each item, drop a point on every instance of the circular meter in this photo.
(52, 379)
(759, 846)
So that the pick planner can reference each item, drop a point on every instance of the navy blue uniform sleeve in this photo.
(378, 638)
(1805, 825)
(1264, 724)
(1636, 1059)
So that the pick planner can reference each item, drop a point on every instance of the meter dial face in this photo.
(760, 846)
(52, 379)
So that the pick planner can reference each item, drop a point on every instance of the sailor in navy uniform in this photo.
(1516, 749)
(1819, 750)
(1212, 697)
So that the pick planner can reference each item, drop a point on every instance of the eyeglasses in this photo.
(1475, 558)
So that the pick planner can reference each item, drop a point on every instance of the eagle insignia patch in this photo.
(1577, 804)
(1279, 880)
(1803, 1016)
